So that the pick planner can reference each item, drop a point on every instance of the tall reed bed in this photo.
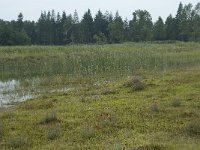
(21, 62)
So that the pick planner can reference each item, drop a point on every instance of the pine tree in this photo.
(20, 36)
(108, 17)
(183, 22)
(30, 29)
(101, 27)
(41, 29)
(6, 33)
(75, 30)
(53, 27)
(179, 20)
(67, 25)
(195, 35)
(20, 21)
(116, 29)
(159, 30)
(75, 18)
(171, 28)
(141, 26)
(58, 39)
(126, 30)
(87, 28)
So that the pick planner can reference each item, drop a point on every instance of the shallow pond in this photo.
(14, 91)
(10, 93)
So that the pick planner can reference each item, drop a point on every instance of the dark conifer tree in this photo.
(87, 28)
(75, 30)
(116, 29)
(126, 30)
(159, 30)
(141, 26)
(100, 27)
(171, 28)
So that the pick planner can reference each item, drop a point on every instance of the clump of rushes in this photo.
(107, 120)
(150, 147)
(193, 128)
(176, 102)
(135, 83)
(49, 117)
(54, 133)
(1, 129)
(115, 146)
(155, 108)
(83, 99)
(17, 142)
(109, 91)
(87, 131)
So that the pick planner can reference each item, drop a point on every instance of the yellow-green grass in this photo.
(110, 116)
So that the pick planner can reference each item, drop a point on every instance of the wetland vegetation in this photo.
(140, 96)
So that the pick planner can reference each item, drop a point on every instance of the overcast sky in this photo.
(31, 9)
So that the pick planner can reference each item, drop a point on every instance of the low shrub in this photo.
(193, 128)
(1, 129)
(83, 99)
(16, 142)
(135, 83)
(176, 103)
(150, 147)
(115, 146)
(155, 108)
(54, 133)
(107, 120)
(109, 91)
(49, 117)
(88, 132)
(190, 113)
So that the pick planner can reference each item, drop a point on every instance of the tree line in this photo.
(60, 29)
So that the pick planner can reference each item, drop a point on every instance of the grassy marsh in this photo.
(102, 112)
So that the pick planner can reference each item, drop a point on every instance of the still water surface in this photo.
(12, 91)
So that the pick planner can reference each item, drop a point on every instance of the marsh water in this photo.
(10, 93)
(14, 91)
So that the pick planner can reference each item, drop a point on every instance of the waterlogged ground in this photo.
(14, 91)
(76, 97)
(10, 93)
(162, 115)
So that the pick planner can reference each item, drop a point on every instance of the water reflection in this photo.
(11, 93)
(14, 91)
(8, 85)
